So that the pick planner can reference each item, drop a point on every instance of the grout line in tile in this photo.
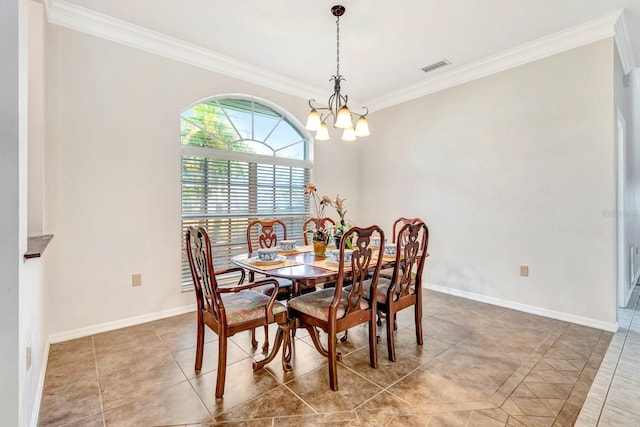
(95, 361)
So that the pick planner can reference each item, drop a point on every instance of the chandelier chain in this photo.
(338, 46)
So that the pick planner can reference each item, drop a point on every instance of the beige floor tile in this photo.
(135, 380)
(353, 390)
(589, 413)
(616, 417)
(96, 420)
(241, 385)
(406, 345)
(305, 358)
(176, 404)
(448, 332)
(386, 373)
(385, 401)
(476, 419)
(186, 359)
(624, 394)
(278, 402)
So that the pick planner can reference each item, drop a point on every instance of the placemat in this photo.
(269, 266)
(328, 265)
(297, 250)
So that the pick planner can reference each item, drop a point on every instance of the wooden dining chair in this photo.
(263, 234)
(404, 289)
(307, 228)
(397, 225)
(314, 224)
(334, 310)
(231, 309)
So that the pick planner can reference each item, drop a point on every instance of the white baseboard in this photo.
(611, 327)
(35, 411)
(117, 324)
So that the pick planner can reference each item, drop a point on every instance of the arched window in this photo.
(242, 158)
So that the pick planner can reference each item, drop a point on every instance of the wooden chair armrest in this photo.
(233, 270)
(228, 289)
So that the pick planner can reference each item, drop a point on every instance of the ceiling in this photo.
(383, 45)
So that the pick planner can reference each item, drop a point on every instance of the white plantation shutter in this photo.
(224, 190)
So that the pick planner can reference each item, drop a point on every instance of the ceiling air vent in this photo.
(436, 65)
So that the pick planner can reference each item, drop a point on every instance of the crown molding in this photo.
(78, 18)
(75, 17)
(580, 35)
(623, 44)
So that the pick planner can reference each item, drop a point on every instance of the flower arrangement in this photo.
(319, 203)
(343, 225)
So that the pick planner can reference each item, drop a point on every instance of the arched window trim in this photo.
(285, 115)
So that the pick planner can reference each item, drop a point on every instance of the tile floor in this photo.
(480, 365)
(614, 397)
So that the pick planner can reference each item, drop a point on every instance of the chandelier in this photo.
(336, 107)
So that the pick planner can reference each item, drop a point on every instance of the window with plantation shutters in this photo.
(242, 159)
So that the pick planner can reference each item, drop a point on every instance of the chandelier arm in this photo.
(366, 112)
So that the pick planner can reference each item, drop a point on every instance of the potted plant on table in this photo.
(321, 235)
(342, 225)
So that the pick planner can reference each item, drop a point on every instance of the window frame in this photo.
(254, 160)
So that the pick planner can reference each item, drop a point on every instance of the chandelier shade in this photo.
(336, 107)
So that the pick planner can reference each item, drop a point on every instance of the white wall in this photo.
(10, 141)
(33, 329)
(516, 168)
(112, 176)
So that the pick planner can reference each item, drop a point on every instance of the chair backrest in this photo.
(399, 223)
(202, 272)
(315, 224)
(412, 251)
(265, 233)
(362, 260)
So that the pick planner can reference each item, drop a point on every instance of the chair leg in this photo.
(222, 365)
(391, 346)
(265, 346)
(254, 342)
(199, 344)
(418, 318)
(333, 361)
(373, 344)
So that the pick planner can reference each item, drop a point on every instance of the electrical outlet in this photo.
(28, 356)
(136, 279)
(524, 270)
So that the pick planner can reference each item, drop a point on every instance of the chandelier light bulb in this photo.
(343, 121)
(323, 133)
(313, 120)
(362, 127)
(349, 134)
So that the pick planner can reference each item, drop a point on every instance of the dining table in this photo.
(300, 265)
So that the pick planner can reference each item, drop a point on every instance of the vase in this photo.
(336, 239)
(319, 248)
